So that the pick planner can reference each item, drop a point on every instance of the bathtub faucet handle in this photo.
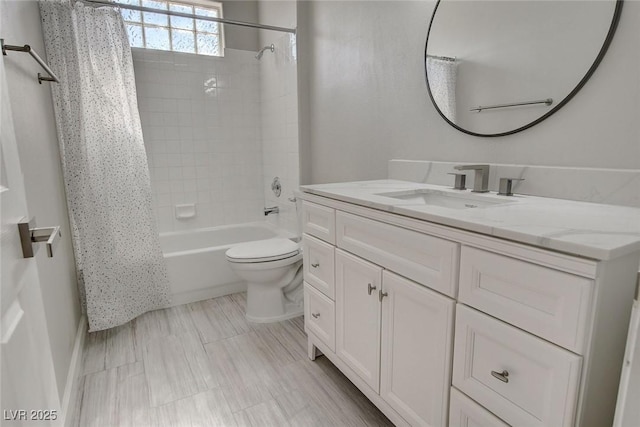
(273, 209)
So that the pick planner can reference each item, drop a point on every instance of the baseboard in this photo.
(208, 293)
(75, 369)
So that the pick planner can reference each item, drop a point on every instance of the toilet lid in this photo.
(263, 250)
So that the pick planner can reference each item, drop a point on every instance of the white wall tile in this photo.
(201, 123)
(279, 118)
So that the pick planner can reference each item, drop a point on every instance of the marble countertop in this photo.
(590, 230)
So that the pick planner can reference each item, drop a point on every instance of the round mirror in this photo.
(495, 68)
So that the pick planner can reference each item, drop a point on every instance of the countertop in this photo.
(590, 230)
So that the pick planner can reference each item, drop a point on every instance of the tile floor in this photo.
(203, 364)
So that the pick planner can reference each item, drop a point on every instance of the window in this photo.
(158, 31)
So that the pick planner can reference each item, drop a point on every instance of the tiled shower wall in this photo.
(201, 124)
(279, 111)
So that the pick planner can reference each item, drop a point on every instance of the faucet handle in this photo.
(460, 181)
(506, 185)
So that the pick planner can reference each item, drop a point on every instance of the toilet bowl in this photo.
(272, 269)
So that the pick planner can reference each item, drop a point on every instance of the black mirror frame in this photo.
(583, 81)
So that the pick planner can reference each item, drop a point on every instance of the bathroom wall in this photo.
(364, 99)
(279, 111)
(240, 38)
(201, 124)
(35, 128)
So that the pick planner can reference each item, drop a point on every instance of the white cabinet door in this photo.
(358, 316)
(417, 330)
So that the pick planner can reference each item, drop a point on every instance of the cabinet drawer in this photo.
(319, 265)
(549, 303)
(540, 382)
(319, 316)
(428, 260)
(464, 412)
(319, 221)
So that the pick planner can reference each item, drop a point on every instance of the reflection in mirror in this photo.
(443, 74)
(498, 67)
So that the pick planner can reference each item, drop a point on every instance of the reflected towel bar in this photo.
(26, 48)
(479, 108)
(443, 58)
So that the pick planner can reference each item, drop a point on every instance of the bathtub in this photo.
(196, 262)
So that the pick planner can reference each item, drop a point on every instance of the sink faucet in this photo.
(271, 210)
(481, 180)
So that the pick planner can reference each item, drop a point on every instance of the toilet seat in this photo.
(263, 251)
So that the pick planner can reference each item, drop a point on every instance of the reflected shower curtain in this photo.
(442, 76)
(120, 266)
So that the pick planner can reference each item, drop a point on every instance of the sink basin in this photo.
(445, 199)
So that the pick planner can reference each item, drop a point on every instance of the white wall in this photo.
(364, 99)
(34, 122)
(241, 38)
(279, 111)
(201, 124)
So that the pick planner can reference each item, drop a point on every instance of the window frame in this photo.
(214, 6)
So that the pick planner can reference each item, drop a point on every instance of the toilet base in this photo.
(291, 311)
(267, 304)
(271, 289)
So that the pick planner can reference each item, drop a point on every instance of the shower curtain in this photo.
(442, 76)
(121, 271)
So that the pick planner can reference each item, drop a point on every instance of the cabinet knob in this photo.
(316, 265)
(502, 376)
(370, 288)
(315, 315)
(382, 295)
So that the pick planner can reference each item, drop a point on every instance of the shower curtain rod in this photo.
(191, 15)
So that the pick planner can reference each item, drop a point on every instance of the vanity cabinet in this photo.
(317, 265)
(465, 412)
(525, 380)
(396, 336)
(538, 337)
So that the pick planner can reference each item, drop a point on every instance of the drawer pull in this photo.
(382, 295)
(370, 288)
(502, 376)
(315, 315)
(316, 265)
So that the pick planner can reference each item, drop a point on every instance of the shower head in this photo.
(261, 51)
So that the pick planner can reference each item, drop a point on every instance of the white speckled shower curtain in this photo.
(120, 266)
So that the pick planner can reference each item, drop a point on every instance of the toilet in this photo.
(272, 269)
